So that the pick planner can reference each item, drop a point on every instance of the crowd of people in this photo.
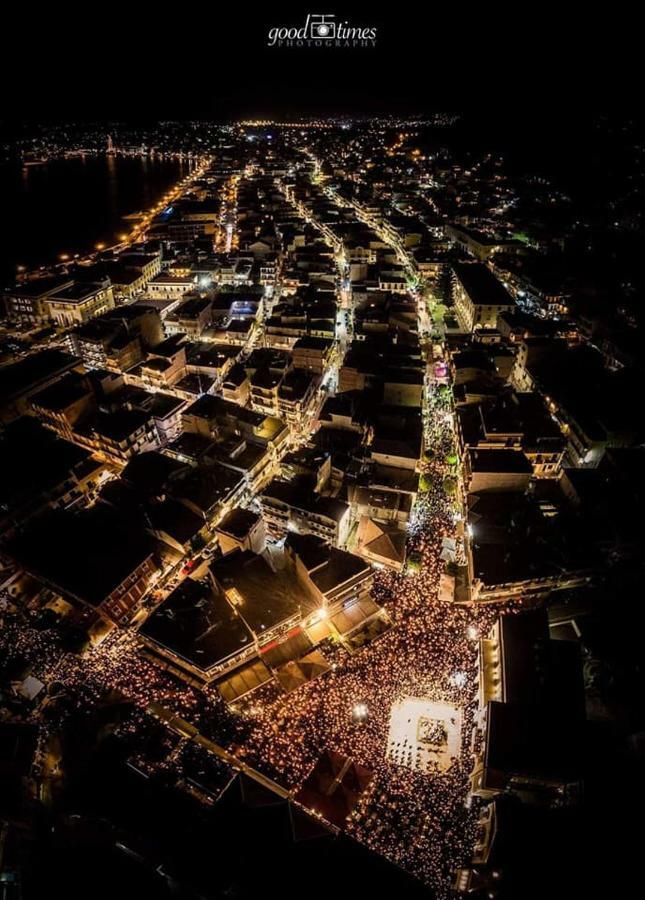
(419, 820)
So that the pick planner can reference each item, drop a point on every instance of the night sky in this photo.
(179, 61)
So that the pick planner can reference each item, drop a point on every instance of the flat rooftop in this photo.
(120, 425)
(77, 292)
(266, 597)
(63, 393)
(21, 376)
(238, 523)
(339, 568)
(298, 496)
(39, 287)
(312, 343)
(35, 461)
(197, 624)
(503, 461)
(151, 471)
(204, 487)
(84, 554)
(483, 288)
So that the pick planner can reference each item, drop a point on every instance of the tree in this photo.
(450, 485)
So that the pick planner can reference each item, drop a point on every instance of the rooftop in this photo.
(299, 496)
(63, 393)
(150, 472)
(120, 425)
(264, 597)
(312, 343)
(483, 288)
(198, 625)
(19, 377)
(39, 287)
(205, 487)
(34, 461)
(507, 461)
(84, 554)
(77, 292)
(238, 522)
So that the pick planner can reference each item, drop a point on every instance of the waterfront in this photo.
(68, 205)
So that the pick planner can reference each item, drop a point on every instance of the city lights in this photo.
(293, 493)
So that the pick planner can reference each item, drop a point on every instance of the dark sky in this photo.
(185, 60)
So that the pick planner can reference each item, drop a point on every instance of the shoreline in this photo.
(23, 273)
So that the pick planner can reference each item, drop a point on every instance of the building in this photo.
(212, 640)
(523, 545)
(333, 578)
(393, 280)
(312, 354)
(104, 344)
(165, 364)
(265, 384)
(403, 387)
(26, 302)
(295, 507)
(39, 471)
(512, 421)
(21, 379)
(165, 286)
(497, 470)
(382, 503)
(236, 386)
(212, 360)
(214, 417)
(191, 317)
(478, 296)
(178, 527)
(480, 245)
(381, 544)
(241, 529)
(166, 411)
(148, 264)
(121, 434)
(118, 339)
(243, 614)
(295, 396)
(66, 404)
(127, 283)
(401, 450)
(531, 718)
(210, 491)
(79, 302)
(98, 561)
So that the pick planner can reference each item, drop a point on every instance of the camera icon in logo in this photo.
(322, 27)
